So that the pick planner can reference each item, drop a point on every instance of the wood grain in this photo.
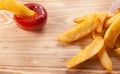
(39, 52)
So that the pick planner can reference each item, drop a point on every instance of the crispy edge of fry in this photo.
(112, 34)
(83, 18)
(79, 31)
(95, 34)
(117, 51)
(110, 15)
(105, 59)
(87, 53)
(118, 11)
(102, 17)
(117, 44)
(111, 20)
(80, 19)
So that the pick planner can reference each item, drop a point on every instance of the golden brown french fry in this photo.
(117, 51)
(105, 59)
(80, 30)
(83, 18)
(87, 53)
(112, 33)
(102, 16)
(111, 20)
(103, 56)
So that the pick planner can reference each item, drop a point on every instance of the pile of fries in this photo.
(104, 28)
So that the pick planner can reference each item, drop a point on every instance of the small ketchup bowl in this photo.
(35, 22)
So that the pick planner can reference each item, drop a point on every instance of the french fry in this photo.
(83, 18)
(17, 8)
(117, 51)
(101, 24)
(87, 53)
(112, 34)
(80, 30)
(105, 59)
(111, 20)
(103, 55)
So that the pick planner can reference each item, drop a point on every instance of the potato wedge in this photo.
(112, 34)
(83, 18)
(111, 20)
(117, 51)
(87, 53)
(80, 30)
(105, 59)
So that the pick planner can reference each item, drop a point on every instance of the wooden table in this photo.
(39, 52)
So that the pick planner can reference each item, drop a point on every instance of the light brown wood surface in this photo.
(24, 52)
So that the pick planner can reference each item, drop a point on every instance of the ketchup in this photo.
(35, 22)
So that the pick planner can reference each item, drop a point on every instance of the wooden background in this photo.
(39, 52)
